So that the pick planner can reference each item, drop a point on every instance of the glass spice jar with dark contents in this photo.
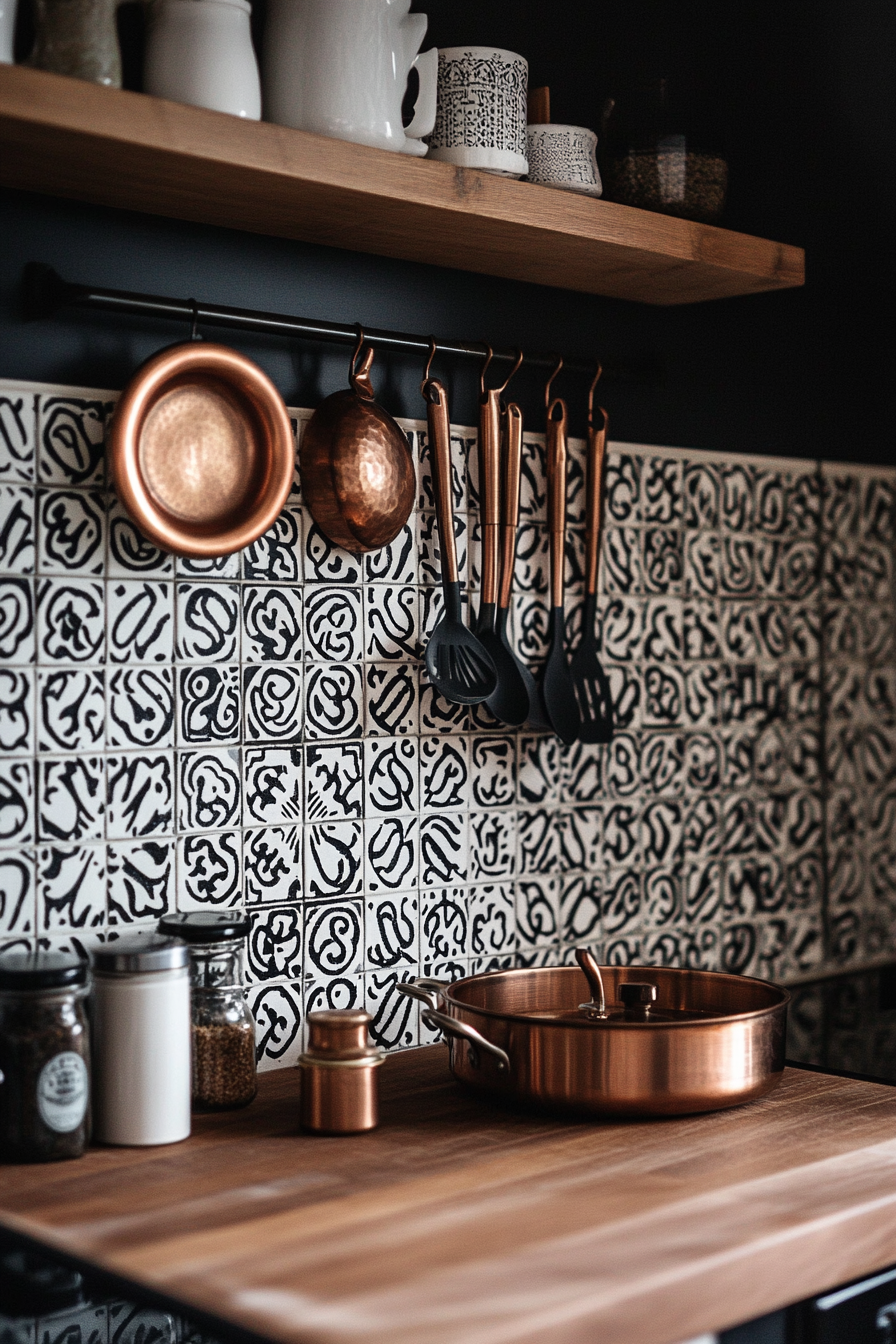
(44, 1057)
(659, 154)
(223, 1028)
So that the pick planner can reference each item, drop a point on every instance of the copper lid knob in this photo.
(339, 1033)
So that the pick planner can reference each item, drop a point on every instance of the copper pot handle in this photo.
(476, 1041)
(423, 989)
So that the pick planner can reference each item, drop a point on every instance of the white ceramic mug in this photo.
(340, 68)
(481, 114)
(563, 157)
(200, 52)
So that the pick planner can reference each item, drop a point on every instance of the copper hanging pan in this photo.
(357, 472)
(201, 450)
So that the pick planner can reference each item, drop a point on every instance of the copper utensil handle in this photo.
(588, 962)
(556, 472)
(440, 449)
(513, 456)
(490, 491)
(451, 1027)
(597, 451)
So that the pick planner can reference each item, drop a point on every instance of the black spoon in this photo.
(592, 687)
(509, 701)
(556, 682)
(536, 714)
(457, 664)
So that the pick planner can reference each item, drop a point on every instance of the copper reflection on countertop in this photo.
(201, 450)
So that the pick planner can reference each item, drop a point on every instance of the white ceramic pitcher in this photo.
(340, 68)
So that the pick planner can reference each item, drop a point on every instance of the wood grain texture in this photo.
(69, 138)
(459, 1223)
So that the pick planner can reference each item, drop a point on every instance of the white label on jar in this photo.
(62, 1091)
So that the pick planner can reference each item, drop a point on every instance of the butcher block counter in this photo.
(459, 1223)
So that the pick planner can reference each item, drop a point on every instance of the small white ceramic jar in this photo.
(141, 1040)
(564, 157)
(200, 52)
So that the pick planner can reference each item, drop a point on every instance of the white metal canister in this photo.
(141, 1036)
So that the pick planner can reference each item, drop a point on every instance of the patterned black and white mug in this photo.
(563, 157)
(481, 112)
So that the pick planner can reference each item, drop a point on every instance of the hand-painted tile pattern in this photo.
(256, 731)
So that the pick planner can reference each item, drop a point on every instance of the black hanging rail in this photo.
(44, 293)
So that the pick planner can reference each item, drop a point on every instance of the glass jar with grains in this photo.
(223, 1028)
(44, 1057)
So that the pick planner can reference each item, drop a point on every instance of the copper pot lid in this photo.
(201, 450)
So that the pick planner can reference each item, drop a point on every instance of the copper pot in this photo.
(201, 450)
(357, 472)
(707, 1041)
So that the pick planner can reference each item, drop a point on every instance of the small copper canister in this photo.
(339, 1082)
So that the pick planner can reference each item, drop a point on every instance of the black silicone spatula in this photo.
(509, 701)
(591, 684)
(556, 683)
(458, 665)
(536, 714)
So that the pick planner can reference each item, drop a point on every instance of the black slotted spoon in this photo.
(457, 663)
(592, 687)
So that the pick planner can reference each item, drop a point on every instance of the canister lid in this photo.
(206, 926)
(138, 955)
(41, 970)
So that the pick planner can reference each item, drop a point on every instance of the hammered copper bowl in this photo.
(201, 450)
(733, 1054)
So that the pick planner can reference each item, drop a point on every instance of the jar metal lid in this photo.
(206, 926)
(41, 970)
(137, 955)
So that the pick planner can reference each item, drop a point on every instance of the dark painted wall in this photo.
(801, 97)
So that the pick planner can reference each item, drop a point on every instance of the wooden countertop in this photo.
(457, 1223)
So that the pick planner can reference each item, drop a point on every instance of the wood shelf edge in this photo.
(112, 147)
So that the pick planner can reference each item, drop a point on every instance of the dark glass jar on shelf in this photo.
(657, 155)
(223, 1028)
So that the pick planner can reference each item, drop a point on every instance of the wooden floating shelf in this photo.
(69, 138)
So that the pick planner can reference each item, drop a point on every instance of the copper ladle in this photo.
(356, 467)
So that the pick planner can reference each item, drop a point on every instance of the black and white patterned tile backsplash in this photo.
(255, 731)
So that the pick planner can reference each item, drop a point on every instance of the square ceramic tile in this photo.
(493, 844)
(392, 932)
(444, 773)
(390, 622)
(71, 798)
(392, 699)
(18, 910)
(141, 882)
(71, 621)
(540, 769)
(139, 795)
(209, 871)
(18, 426)
(71, 888)
(621, 561)
(392, 776)
(207, 620)
(140, 616)
(140, 706)
(273, 783)
(537, 848)
(276, 557)
(272, 703)
(131, 554)
(333, 624)
(334, 939)
(71, 436)
(444, 849)
(17, 711)
(391, 854)
(334, 781)
(334, 859)
(209, 787)
(580, 913)
(700, 489)
(18, 552)
(272, 861)
(325, 563)
(537, 902)
(209, 704)
(394, 1024)
(17, 628)
(274, 945)
(16, 801)
(277, 1009)
(272, 623)
(71, 526)
(493, 771)
(334, 700)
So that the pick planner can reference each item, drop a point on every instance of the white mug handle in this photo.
(427, 67)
